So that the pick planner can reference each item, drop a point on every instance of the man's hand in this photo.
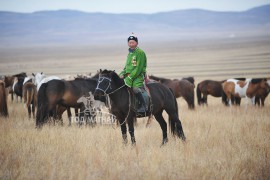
(122, 76)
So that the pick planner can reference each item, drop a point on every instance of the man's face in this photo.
(132, 44)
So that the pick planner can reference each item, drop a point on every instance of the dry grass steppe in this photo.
(222, 142)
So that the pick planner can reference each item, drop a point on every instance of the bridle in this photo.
(101, 79)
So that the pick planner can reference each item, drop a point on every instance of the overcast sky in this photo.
(127, 6)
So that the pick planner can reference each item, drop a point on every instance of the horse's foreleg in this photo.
(149, 121)
(124, 132)
(262, 101)
(253, 100)
(69, 116)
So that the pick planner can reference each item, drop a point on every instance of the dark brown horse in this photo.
(209, 87)
(261, 96)
(3, 100)
(181, 88)
(56, 94)
(9, 81)
(162, 98)
(30, 97)
(18, 86)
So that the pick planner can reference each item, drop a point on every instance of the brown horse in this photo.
(261, 96)
(248, 88)
(9, 81)
(181, 88)
(209, 87)
(56, 94)
(3, 100)
(30, 97)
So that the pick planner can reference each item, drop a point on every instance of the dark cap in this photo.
(132, 37)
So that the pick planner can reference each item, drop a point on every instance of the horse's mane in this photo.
(190, 79)
(22, 74)
(96, 75)
(257, 80)
(162, 80)
(240, 79)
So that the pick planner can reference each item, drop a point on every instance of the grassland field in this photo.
(222, 142)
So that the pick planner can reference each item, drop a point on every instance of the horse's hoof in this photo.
(125, 141)
(165, 141)
(124, 136)
(133, 141)
(183, 139)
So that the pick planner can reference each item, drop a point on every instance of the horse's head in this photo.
(38, 77)
(108, 81)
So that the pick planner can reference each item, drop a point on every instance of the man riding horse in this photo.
(135, 69)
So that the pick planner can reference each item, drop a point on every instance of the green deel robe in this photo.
(135, 68)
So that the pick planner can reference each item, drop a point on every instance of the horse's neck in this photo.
(115, 97)
(252, 89)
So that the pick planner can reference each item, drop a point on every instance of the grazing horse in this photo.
(3, 100)
(30, 97)
(9, 81)
(64, 94)
(261, 96)
(18, 85)
(247, 88)
(162, 98)
(190, 79)
(209, 87)
(181, 88)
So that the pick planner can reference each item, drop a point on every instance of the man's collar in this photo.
(132, 50)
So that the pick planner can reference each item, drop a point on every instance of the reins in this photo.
(108, 98)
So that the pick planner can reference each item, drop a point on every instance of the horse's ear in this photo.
(41, 73)
(100, 70)
(33, 74)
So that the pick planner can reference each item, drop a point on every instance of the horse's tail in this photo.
(28, 94)
(42, 106)
(224, 98)
(191, 98)
(175, 123)
(24, 93)
(3, 101)
(199, 94)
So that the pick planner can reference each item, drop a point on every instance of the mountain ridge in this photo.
(62, 26)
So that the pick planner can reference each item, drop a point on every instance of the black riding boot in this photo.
(143, 107)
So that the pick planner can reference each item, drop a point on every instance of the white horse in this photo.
(40, 78)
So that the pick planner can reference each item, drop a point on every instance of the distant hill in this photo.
(69, 26)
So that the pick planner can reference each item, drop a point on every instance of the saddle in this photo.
(138, 106)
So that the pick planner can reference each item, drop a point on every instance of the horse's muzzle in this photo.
(98, 94)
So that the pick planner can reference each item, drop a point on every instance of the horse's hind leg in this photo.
(33, 110)
(163, 126)
(205, 99)
(131, 130)
(29, 111)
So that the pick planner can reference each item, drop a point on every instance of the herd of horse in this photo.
(52, 96)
